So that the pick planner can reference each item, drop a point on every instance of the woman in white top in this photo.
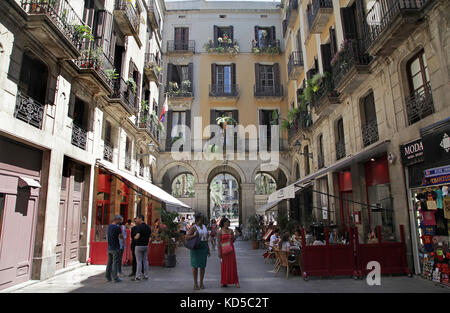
(200, 254)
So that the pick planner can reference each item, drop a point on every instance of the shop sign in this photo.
(436, 143)
(436, 176)
(412, 152)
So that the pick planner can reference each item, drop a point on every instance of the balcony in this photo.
(29, 110)
(320, 161)
(295, 65)
(181, 47)
(419, 105)
(369, 133)
(222, 47)
(128, 162)
(340, 150)
(302, 123)
(326, 99)
(318, 15)
(149, 124)
(123, 97)
(79, 136)
(266, 47)
(292, 13)
(127, 19)
(389, 22)
(56, 25)
(96, 68)
(274, 92)
(108, 151)
(350, 66)
(153, 14)
(180, 96)
(221, 92)
(152, 68)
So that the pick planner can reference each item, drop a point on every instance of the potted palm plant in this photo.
(223, 121)
(254, 227)
(170, 235)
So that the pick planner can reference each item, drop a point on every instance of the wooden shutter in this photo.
(348, 23)
(215, 34)
(112, 50)
(191, 75)
(276, 74)
(213, 74)
(89, 12)
(333, 45)
(99, 30)
(107, 33)
(186, 35)
(169, 130)
(231, 33)
(130, 69)
(256, 33)
(169, 73)
(299, 41)
(273, 34)
(178, 34)
(138, 89)
(233, 73)
(235, 115)
(257, 82)
(326, 57)
(212, 117)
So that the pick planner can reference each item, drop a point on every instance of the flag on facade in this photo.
(164, 110)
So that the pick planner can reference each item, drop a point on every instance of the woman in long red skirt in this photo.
(227, 255)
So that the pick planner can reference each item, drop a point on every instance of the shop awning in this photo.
(155, 191)
(360, 157)
(280, 195)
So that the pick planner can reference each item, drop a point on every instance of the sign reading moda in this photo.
(412, 152)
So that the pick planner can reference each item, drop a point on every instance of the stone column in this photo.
(248, 201)
(201, 198)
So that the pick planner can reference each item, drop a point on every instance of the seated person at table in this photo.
(372, 238)
(334, 236)
(296, 239)
(274, 239)
(284, 243)
(318, 241)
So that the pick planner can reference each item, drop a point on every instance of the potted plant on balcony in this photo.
(111, 74)
(254, 228)
(223, 121)
(132, 85)
(170, 235)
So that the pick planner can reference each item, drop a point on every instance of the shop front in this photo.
(427, 169)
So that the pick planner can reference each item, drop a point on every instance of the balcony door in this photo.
(223, 78)
(181, 38)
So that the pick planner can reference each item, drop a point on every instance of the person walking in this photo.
(133, 246)
(182, 230)
(141, 250)
(200, 254)
(114, 234)
(212, 228)
(122, 242)
(227, 254)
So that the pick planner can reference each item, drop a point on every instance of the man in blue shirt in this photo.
(114, 234)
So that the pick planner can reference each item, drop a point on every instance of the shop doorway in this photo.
(224, 198)
(70, 207)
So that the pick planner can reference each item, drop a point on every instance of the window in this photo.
(181, 38)
(320, 154)
(265, 184)
(266, 76)
(108, 132)
(306, 159)
(183, 186)
(33, 78)
(369, 125)
(340, 140)
(419, 103)
(223, 77)
(268, 118)
(264, 36)
(178, 119)
(127, 154)
(2, 210)
(297, 171)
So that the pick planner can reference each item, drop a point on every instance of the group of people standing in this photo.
(226, 251)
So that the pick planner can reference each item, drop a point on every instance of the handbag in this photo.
(226, 248)
(193, 243)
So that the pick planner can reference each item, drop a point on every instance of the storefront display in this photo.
(427, 166)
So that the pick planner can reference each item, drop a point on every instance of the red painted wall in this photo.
(345, 181)
(377, 172)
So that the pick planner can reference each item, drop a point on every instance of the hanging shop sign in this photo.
(412, 152)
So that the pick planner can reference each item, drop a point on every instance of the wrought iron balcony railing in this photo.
(295, 60)
(326, 89)
(302, 122)
(321, 161)
(340, 150)
(108, 151)
(266, 47)
(420, 104)
(150, 125)
(268, 91)
(223, 90)
(313, 10)
(123, 91)
(384, 12)
(180, 46)
(79, 136)
(92, 57)
(183, 91)
(369, 133)
(130, 12)
(29, 110)
(128, 162)
(344, 61)
(63, 15)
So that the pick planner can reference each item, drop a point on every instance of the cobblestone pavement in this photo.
(254, 275)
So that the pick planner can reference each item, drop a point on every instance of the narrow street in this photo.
(255, 276)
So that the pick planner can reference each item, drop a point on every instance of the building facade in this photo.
(79, 84)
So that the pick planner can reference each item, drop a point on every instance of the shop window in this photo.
(183, 186)
(265, 184)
